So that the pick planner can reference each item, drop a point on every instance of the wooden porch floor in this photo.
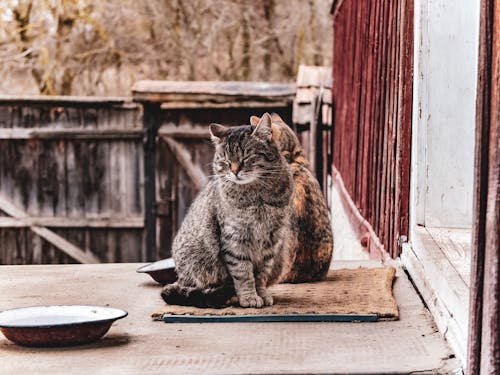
(136, 344)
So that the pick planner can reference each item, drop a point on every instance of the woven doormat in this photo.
(361, 294)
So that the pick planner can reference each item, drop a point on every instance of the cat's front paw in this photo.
(266, 297)
(268, 300)
(169, 292)
(251, 300)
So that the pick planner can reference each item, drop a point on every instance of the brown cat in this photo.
(314, 248)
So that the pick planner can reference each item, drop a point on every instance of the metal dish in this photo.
(57, 325)
(162, 271)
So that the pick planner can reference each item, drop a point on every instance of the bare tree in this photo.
(85, 47)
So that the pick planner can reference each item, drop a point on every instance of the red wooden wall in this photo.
(484, 314)
(372, 94)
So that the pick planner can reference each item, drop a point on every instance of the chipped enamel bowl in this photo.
(57, 325)
(162, 271)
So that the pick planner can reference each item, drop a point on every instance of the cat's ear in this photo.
(264, 126)
(276, 118)
(254, 120)
(217, 132)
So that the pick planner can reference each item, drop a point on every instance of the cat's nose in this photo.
(235, 167)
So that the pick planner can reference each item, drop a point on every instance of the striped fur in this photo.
(237, 234)
(312, 253)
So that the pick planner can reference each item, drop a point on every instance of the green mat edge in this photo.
(267, 318)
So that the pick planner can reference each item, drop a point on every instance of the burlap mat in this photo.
(359, 291)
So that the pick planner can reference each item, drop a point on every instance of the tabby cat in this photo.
(312, 252)
(236, 237)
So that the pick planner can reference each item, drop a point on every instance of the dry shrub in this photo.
(84, 47)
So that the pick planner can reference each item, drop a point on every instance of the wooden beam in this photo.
(68, 101)
(184, 158)
(48, 235)
(484, 309)
(212, 91)
(183, 132)
(197, 103)
(72, 222)
(314, 76)
(150, 120)
(313, 134)
(70, 133)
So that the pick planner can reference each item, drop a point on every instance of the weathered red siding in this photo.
(372, 94)
(483, 355)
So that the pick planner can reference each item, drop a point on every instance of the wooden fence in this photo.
(372, 96)
(71, 177)
(107, 179)
(178, 153)
(85, 179)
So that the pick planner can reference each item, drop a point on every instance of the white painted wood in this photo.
(443, 290)
(456, 246)
(444, 94)
(445, 70)
(419, 134)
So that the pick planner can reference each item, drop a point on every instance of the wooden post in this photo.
(150, 121)
(484, 319)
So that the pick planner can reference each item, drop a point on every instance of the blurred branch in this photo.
(90, 47)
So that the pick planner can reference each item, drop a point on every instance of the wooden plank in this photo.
(70, 133)
(361, 67)
(313, 134)
(403, 142)
(67, 101)
(327, 94)
(166, 199)
(182, 155)
(313, 76)
(446, 322)
(306, 95)
(74, 222)
(302, 113)
(183, 132)
(137, 344)
(455, 243)
(366, 113)
(484, 341)
(211, 91)
(199, 103)
(150, 124)
(48, 235)
(445, 282)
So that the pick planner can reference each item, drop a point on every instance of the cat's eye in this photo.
(248, 159)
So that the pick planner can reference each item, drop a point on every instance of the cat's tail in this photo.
(214, 297)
